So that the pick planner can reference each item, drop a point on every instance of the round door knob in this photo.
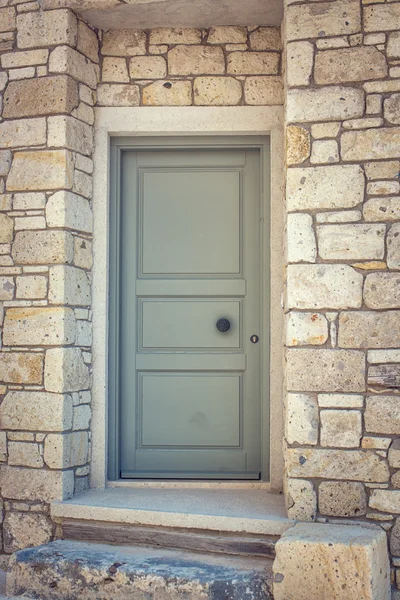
(223, 325)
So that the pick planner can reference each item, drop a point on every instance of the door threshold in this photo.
(216, 484)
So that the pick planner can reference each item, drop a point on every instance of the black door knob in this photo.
(223, 325)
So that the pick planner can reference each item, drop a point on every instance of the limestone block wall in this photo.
(343, 250)
(49, 73)
(219, 66)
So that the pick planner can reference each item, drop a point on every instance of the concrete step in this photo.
(71, 570)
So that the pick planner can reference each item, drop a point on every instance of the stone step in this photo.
(72, 570)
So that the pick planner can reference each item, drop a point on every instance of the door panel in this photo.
(189, 253)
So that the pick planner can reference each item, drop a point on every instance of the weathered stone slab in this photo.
(118, 95)
(168, 93)
(306, 329)
(36, 484)
(68, 286)
(263, 90)
(371, 144)
(175, 35)
(21, 367)
(341, 428)
(7, 287)
(342, 499)
(266, 38)
(382, 290)
(333, 186)
(340, 400)
(386, 376)
(325, 370)
(385, 500)
(44, 28)
(384, 356)
(298, 144)
(349, 64)
(395, 539)
(88, 42)
(324, 151)
(302, 419)
(24, 530)
(64, 59)
(24, 59)
(41, 170)
(63, 451)
(301, 500)
(147, 67)
(196, 60)
(83, 256)
(227, 35)
(382, 415)
(392, 109)
(301, 244)
(323, 286)
(393, 246)
(316, 20)
(39, 326)
(64, 209)
(300, 60)
(351, 241)
(32, 411)
(21, 454)
(330, 103)
(393, 45)
(124, 42)
(43, 247)
(68, 132)
(5, 159)
(356, 465)
(382, 17)
(217, 91)
(23, 132)
(382, 209)
(65, 370)
(369, 329)
(253, 63)
(349, 561)
(7, 18)
(114, 70)
(41, 96)
(6, 229)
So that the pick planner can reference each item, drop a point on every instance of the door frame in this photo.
(170, 122)
(117, 146)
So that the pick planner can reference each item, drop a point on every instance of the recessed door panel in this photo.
(188, 279)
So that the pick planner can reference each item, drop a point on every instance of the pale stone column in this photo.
(49, 62)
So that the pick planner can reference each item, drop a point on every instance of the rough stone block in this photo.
(68, 286)
(41, 96)
(395, 539)
(7, 19)
(22, 454)
(378, 188)
(253, 63)
(371, 144)
(393, 247)
(394, 454)
(62, 451)
(5, 158)
(385, 500)
(325, 130)
(351, 241)
(227, 35)
(349, 64)
(6, 287)
(124, 42)
(29, 201)
(369, 329)
(118, 95)
(24, 530)
(301, 500)
(297, 144)
(266, 38)
(323, 286)
(341, 428)
(304, 329)
(217, 91)
(82, 416)
(336, 186)
(22, 132)
(83, 256)
(46, 28)
(88, 43)
(24, 59)
(383, 356)
(382, 17)
(21, 367)
(68, 132)
(382, 415)
(36, 326)
(36, 484)
(342, 499)
(168, 93)
(174, 35)
(147, 67)
(64, 209)
(41, 170)
(65, 370)
(64, 59)
(324, 151)
(300, 60)
(340, 216)
(349, 561)
(115, 70)
(329, 103)
(196, 60)
(301, 244)
(382, 209)
(356, 465)
(316, 20)
(263, 91)
(325, 370)
(340, 401)
(392, 109)
(34, 411)
(43, 247)
(393, 45)
(6, 229)
(31, 287)
(382, 290)
(302, 419)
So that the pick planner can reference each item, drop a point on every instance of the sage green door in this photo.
(189, 255)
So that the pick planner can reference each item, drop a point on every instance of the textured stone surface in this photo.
(68, 286)
(323, 286)
(64, 59)
(21, 367)
(301, 239)
(395, 539)
(369, 329)
(64, 209)
(253, 63)
(115, 69)
(393, 246)
(42, 96)
(371, 144)
(349, 561)
(324, 151)
(341, 428)
(394, 454)
(382, 17)
(382, 414)
(306, 329)
(340, 400)
(124, 42)
(301, 500)
(325, 370)
(43, 247)
(36, 484)
(31, 410)
(349, 64)
(261, 90)
(227, 35)
(326, 103)
(38, 326)
(336, 186)
(88, 43)
(31, 286)
(65, 370)
(351, 242)
(22, 132)
(175, 35)
(321, 19)
(299, 63)
(41, 170)
(117, 95)
(21, 454)
(36, 29)
(266, 38)
(385, 500)
(342, 499)
(217, 91)
(302, 419)
(67, 132)
(166, 93)
(393, 45)
(297, 144)
(62, 451)
(196, 60)
(382, 290)
(147, 67)
(6, 229)
(7, 18)
(356, 465)
(382, 209)
(392, 109)
(24, 530)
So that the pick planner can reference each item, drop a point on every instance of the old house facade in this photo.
(284, 124)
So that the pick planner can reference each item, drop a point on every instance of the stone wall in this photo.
(49, 73)
(343, 277)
